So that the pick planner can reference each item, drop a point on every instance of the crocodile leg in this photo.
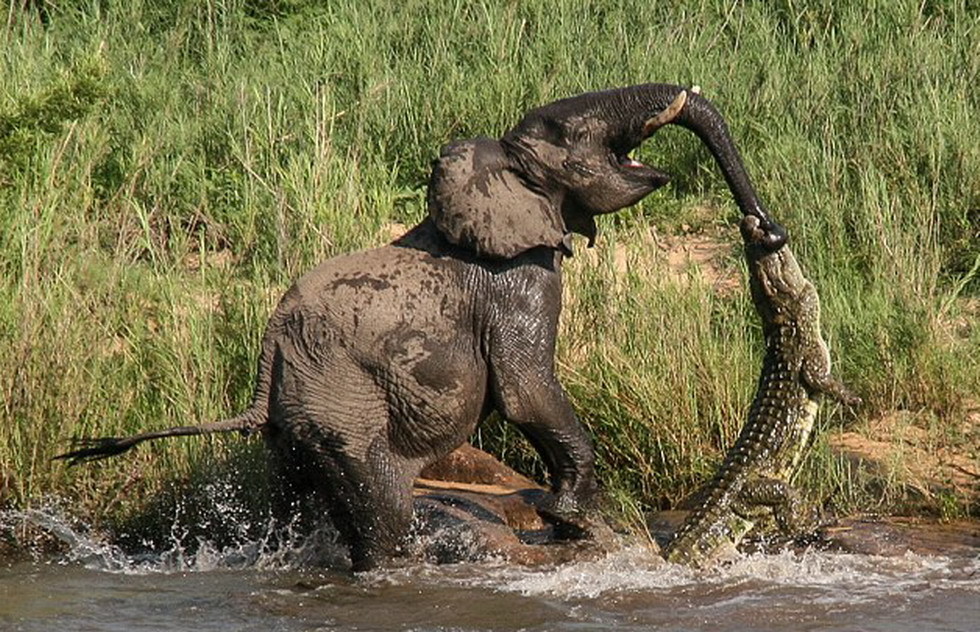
(762, 495)
(823, 383)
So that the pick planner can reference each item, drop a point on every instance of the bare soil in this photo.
(930, 466)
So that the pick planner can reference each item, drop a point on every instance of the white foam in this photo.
(274, 549)
(834, 577)
(821, 577)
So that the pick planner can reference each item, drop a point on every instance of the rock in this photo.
(471, 506)
(897, 535)
(515, 507)
(470, 465)
(884, 535)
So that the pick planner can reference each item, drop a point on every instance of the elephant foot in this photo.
(453, 529)
(582, 527)
(469, 506)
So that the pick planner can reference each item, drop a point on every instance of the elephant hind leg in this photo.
(369, 500)
(378, 512)
(328, 425)
(371, 506)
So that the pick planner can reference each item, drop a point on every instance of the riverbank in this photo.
(470, 507)
(167, 169)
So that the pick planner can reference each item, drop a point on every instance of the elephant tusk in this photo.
(666, 115)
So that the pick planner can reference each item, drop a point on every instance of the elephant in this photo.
(377, 363)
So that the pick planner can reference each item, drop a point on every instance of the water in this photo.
(254, 586)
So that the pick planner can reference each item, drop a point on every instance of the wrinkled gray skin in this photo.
(378, 363)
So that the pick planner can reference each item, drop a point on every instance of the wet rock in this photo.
(470, 506)
(515, 507)
(864, 535)
(896, 536)
(451, 531)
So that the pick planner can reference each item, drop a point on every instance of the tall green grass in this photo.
(166, 169)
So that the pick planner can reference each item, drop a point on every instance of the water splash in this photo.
(630, 589)
(273, 546)
(822, 577)
(833, 577)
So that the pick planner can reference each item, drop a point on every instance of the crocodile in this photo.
(755, 479)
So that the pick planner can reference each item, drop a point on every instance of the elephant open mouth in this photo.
(629, 162)
(635, 170)
(650, 126)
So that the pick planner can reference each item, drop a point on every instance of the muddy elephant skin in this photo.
(378, 363)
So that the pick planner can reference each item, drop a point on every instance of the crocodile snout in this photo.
(763, 232)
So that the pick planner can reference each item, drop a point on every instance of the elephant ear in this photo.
(479, 202)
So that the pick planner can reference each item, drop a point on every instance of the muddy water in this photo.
(249, 586)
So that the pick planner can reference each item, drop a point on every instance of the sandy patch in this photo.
(896, 447)
(704, 255)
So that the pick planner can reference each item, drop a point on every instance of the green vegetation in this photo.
(166, 168)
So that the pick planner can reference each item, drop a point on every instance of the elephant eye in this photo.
(551, 130)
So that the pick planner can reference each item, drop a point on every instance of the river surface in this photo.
(248, 586)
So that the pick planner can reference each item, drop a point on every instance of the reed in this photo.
(166, 168)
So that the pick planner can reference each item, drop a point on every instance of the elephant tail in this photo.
(104, 447)
(250, 421)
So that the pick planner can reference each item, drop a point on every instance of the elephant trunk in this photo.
(698, 115)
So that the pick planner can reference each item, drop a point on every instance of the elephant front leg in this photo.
(541, 411)
(527, 393)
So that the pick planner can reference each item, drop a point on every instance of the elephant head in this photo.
(568, 161)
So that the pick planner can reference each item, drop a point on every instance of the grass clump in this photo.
(167, 168)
